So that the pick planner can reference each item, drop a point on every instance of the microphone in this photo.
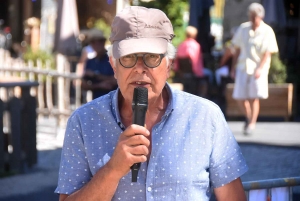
(139, 108)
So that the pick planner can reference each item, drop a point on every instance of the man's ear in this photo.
(169, 67)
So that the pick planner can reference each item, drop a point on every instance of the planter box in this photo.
(279, 103)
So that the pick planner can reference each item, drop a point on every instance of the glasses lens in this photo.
(128, 61)
(152, 60)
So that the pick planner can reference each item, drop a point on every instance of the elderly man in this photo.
(185, 148)
(254, 42)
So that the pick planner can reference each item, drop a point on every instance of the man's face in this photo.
(254, 19)
(98, 45)
(153, 79)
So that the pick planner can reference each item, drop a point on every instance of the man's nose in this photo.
(140, 66)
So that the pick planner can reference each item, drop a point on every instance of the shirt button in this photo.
(149, 189)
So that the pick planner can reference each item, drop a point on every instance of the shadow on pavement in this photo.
(45, 194)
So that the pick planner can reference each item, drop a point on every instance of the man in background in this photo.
(98, 75)
(254, 42)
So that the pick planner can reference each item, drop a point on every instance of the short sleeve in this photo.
(227, 162)
(74, 171)
(237, 38)
(272, 46)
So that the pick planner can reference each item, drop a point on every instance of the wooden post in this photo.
(67, 88)
(40, 92)
(49, 91)
(78, 92)
(61, 59)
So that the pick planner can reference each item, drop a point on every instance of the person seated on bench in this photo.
(189, 62)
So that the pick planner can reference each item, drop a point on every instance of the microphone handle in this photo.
(139, 115)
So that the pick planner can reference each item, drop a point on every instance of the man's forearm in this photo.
(232, 191)
(264, 59)
(102, 187)
(235, 59)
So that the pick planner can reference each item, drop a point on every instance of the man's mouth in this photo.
(140, 83)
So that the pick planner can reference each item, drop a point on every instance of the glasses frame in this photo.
(143, 55)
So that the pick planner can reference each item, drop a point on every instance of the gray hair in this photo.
(171, 52)
(258, 9)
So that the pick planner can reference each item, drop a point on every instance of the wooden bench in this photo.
(279, 103)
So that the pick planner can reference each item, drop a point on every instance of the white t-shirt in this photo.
(253, 45)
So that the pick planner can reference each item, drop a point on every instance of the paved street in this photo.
(265, 156)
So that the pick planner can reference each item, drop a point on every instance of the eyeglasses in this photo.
(150, 60)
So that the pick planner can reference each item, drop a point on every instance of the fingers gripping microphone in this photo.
(139, 108)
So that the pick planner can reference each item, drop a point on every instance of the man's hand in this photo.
(132, 147)
(89, 73)
(264, 59)
(257, 72)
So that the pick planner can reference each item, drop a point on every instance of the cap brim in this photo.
(134, 45)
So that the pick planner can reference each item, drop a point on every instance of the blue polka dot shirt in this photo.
(193, 150)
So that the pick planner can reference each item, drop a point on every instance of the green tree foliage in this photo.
(39, 55)
(174, 9)
(277, 72)
(103, 26)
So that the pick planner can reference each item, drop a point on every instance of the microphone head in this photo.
(140, 95)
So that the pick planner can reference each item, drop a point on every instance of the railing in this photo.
(59, 91)
(271, 189)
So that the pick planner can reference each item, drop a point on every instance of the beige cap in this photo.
(140, 29)
(95, 34)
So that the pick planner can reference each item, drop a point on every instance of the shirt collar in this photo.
(261, 25)
(259, 28)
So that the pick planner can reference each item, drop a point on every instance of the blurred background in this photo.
(39, 29)
(41, 41)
